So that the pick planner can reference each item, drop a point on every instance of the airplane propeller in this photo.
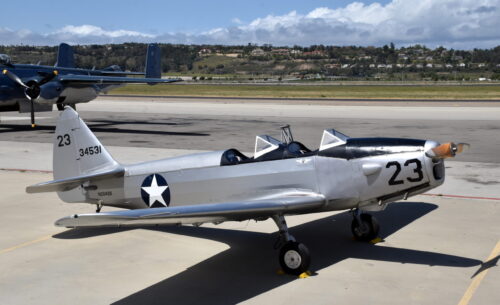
(447, 150)
(32, 89)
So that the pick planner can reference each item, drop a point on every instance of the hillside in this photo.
(250, 62)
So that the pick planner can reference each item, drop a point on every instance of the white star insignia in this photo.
(155, 192)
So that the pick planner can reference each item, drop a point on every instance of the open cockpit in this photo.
(268, 148)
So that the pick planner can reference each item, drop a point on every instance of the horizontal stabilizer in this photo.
(200, 213)
(67, 184)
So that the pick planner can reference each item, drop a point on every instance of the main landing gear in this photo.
(364, 227)
(60, 106)
(98, 206)
(294, 257)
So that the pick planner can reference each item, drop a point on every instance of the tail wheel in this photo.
(294, 258)
(367, 230)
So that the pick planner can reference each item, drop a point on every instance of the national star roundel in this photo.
(155, 191)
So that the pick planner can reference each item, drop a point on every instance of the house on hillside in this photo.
(315, 53)
(204, 52)
(282, 52)
(258, 52)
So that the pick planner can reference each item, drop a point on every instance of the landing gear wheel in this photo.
(366, 230)
(294, 258)
(60, 107)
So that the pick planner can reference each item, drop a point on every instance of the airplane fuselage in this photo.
(360, 175)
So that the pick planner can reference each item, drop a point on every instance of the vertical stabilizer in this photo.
(65, 56)
(77, 152)
(153, 61)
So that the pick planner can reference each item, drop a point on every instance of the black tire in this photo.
(368, 230)
(294, 258)
(60, 107)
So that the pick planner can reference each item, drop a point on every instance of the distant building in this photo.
(332, 66)
(315, 53)
(258, 52)
(283, 52)
(204, 52)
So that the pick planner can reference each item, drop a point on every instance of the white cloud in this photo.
(462, 24)
(236, 21)
(91, 30)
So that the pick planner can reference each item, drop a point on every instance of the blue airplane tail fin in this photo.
(65, 56)
(153, 62)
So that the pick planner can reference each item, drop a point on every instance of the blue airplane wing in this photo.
(95, 79)
(119, 73)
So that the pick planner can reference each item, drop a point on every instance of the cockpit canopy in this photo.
(265, 144)
(4, 59)
(332, 138)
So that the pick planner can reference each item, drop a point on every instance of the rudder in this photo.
(153, 61)
(65, 56)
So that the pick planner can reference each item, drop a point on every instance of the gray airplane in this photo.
(282, 178)
(35, 88)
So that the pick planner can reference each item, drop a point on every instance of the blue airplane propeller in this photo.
(32, 89)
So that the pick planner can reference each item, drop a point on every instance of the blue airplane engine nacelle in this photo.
(49, 93)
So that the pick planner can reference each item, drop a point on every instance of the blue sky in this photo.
(152, 16)
(462, 24)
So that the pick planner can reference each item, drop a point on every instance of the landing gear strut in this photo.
(364, 227)
(60, 106)
(98, 206)
(294, 257)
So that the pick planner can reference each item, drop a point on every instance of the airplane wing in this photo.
(97, 79)
(120, 73)
(199, 213)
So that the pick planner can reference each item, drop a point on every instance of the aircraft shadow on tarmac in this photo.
(106, 126)
(248, 267)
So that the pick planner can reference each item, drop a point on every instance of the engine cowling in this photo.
(46, 94)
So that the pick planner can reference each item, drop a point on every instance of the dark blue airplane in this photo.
(35, 88)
